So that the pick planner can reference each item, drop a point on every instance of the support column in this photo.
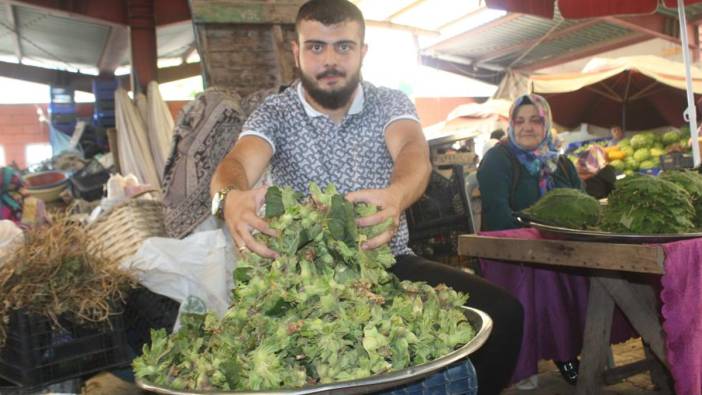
(142, 37)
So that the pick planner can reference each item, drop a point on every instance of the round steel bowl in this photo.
(480, 321)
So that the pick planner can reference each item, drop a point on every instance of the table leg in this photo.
(598, 327)
(638, 303)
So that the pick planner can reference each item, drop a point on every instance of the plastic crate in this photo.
(146, 310)
(676, 160)
(437, 217)
(651, 172)
(35, 354)
(89, 186)
(457, 379)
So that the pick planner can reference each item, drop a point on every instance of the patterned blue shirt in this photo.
(308, 146)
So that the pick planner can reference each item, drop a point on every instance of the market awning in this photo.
(639, 92)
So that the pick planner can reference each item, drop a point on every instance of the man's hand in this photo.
(388, 202)
(240, 208)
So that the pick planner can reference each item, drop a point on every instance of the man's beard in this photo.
(336, 98)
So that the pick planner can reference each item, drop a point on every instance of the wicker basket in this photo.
(119, 232)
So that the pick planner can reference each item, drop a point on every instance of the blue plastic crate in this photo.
(651, 172)
(457, 379)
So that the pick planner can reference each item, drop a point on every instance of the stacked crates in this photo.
(104, 110)
(62, 109)
(37, 354)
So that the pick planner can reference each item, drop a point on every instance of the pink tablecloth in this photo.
(681, 298)
(555, 306)
(682, 313)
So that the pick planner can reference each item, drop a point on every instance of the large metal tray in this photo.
(480, 321)
(557, 232)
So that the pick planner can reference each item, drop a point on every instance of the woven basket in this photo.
(119, 232)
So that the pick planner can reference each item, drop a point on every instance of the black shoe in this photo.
(569, 370)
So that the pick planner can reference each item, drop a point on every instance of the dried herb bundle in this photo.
(53, 274)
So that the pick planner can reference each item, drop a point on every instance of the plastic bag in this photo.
(196, 268)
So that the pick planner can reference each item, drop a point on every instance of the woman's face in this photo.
(529, 127)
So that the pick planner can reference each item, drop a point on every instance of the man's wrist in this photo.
(219, 199)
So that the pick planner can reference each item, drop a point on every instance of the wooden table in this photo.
(613, 265)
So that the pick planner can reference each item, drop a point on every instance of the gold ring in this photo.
(242, 249)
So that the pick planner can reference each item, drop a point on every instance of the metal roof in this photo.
(66, 41)
(458, 36)
(528, 43)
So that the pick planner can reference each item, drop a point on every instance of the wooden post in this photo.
(112, 141)
(598, 328)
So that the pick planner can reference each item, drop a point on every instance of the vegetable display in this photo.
(324, 311)
(566, 207)
(639, 204)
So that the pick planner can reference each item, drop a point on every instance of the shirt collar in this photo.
(356, 105)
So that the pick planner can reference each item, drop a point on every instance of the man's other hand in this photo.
(240, 214)
(388, 202)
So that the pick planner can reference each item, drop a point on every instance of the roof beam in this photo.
(244, 11)
(474, 34)
(585, 52)
(175, 73)
(40, 75)
(462, 68)
(412, 29)
(103, 11)
(109, 11)
(655, 25)
(521, 46)
(115, 49)
(12, 23)
(412, 5)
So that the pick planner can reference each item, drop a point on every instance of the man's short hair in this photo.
(330, 12)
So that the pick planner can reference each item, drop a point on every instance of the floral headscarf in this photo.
(540, 161)
(10, 196)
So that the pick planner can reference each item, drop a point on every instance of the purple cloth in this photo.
(555, 307)
(682, 304)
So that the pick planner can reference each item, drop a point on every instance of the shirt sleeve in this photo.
(398, 106)
(264, 122)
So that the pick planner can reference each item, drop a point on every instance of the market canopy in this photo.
(472, 119)
(576, 9)
(638, 92)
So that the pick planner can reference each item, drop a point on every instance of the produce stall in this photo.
(645, 239)
(638, 93)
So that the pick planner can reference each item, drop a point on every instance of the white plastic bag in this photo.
(197, 267)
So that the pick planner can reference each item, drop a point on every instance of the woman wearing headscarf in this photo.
(514, 175)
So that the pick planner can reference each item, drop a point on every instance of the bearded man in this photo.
(333, 127)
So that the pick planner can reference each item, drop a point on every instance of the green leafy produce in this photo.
(641, 140)
(631, 163)
(627, 150)
(648, 164)
(618, 164)
(671, 137)
(648, 205)
(324, 311)
(692, 182)
(642, 154)
(625, 142)
(566, 207)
